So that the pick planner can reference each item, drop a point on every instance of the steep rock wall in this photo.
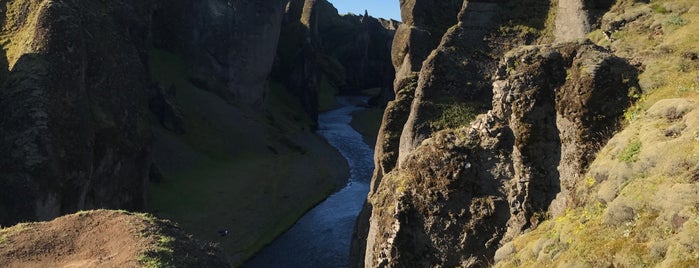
(74, 128)
(322, 53)
(230, 44)
(463, 192)
(423, 24)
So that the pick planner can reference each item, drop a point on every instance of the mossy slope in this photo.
(252, 174)
(637, 204)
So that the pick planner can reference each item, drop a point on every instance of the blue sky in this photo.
(387, 9)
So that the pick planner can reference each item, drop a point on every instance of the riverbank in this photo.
(251, 173)
(321, 238)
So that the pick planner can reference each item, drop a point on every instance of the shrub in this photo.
(630, 153)
(676, 20)
(659, 8)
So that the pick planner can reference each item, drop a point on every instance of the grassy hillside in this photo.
(639, 203)
(250, 172)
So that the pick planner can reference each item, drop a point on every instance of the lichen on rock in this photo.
(464, 192)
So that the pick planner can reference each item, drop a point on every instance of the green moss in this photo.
(453, 115)
(241, 167)
(528, 19)
(285, 111)
(367, 122)
(631, 151)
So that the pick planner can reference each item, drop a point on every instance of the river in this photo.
(321, 238)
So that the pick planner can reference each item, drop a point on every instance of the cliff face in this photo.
(322, 53)
(74, 127)
(518, 152)
(230, 44)
(636, 203)
(464, 191)
(423, 22)
(78, 78)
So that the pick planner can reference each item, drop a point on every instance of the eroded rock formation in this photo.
(464, 191)
(451, 197)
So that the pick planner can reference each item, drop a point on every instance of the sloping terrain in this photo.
(251, 173)
(638, 204)
(104, 238)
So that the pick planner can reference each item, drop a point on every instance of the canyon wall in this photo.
(480, 142)
(76, 89)
(322, 53)
(230, 44)
(104, 101)
(75, 133)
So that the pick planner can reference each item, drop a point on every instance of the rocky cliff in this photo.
(77, 88)
(482, 145)
(229, 44)
(322, 54)
(105, 101)
(75, 131)
(464, 191)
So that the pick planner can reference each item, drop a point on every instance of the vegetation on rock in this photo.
(582, 187)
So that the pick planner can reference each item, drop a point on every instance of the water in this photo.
(321, 238)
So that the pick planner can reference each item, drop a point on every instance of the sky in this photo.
(387, 9)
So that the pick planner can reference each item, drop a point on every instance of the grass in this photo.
(630, 153)
(326, 95)
(640, 168)
(253, 173)
(160, 256)
(5, 233)
(21, 18)
(676, 20)
(453, 116)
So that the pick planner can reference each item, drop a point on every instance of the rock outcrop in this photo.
(640, 190)
(75, 133)
(423, 24)
(444, 54)
(463, 192)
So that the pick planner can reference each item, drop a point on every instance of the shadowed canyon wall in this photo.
(75, 133)
(76, 85)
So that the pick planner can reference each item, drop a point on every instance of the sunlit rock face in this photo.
(463, 192)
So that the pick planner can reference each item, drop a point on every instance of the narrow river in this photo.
(321, 238)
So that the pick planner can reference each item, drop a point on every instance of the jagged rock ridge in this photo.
(463, 192)
(454, 198)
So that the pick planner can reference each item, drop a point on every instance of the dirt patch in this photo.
(102, 238)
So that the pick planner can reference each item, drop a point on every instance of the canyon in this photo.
(515, 133)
